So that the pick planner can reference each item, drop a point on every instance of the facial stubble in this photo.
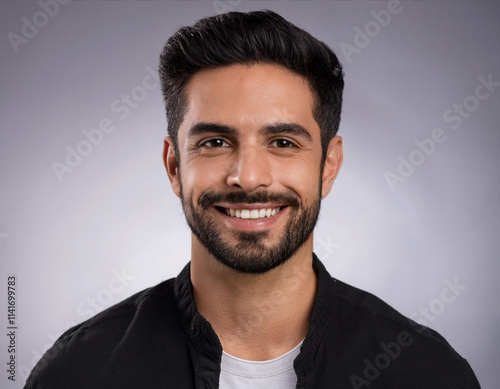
(250, 255)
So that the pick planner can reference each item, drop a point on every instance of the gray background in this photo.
(115, 213)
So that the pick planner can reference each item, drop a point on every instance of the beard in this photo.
(250, 254)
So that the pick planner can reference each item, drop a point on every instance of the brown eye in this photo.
(216, 142)
(282, 143)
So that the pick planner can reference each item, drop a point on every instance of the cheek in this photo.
(303, 178)
(199, 176)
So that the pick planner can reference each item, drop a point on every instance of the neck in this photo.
(255, 316)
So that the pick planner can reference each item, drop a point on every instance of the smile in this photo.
(252, 213)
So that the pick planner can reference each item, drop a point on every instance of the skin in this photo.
(256, 316)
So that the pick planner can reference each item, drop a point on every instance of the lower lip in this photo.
(252, 224)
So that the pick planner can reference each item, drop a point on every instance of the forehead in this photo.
(246, 96)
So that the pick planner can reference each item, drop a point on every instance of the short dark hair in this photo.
(247, 38)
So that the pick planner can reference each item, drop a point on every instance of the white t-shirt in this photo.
(276, 373)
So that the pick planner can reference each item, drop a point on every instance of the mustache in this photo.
(207, 199)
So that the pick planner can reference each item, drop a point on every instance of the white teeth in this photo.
(252, 213)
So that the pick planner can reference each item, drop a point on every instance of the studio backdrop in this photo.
(88, 217)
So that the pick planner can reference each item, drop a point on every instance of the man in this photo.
(253, 106)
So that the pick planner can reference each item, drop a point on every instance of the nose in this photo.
(250, 170)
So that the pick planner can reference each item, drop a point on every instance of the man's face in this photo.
(249, 171)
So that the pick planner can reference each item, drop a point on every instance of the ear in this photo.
(333, 162)
(171, 164)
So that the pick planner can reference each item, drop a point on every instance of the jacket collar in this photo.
(201, 333)
(321, 315)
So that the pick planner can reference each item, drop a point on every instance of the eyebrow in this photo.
(277, 128)
(287, 128)
(203, 128)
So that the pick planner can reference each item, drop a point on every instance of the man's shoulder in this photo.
(121, 337)
(366, 309)
(361, 302)
(141, 304)
(381, 346)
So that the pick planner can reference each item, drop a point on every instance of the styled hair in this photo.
(248, 38)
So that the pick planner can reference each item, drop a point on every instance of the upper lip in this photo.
(248, 206)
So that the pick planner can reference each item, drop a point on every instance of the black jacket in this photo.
(157, 339)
